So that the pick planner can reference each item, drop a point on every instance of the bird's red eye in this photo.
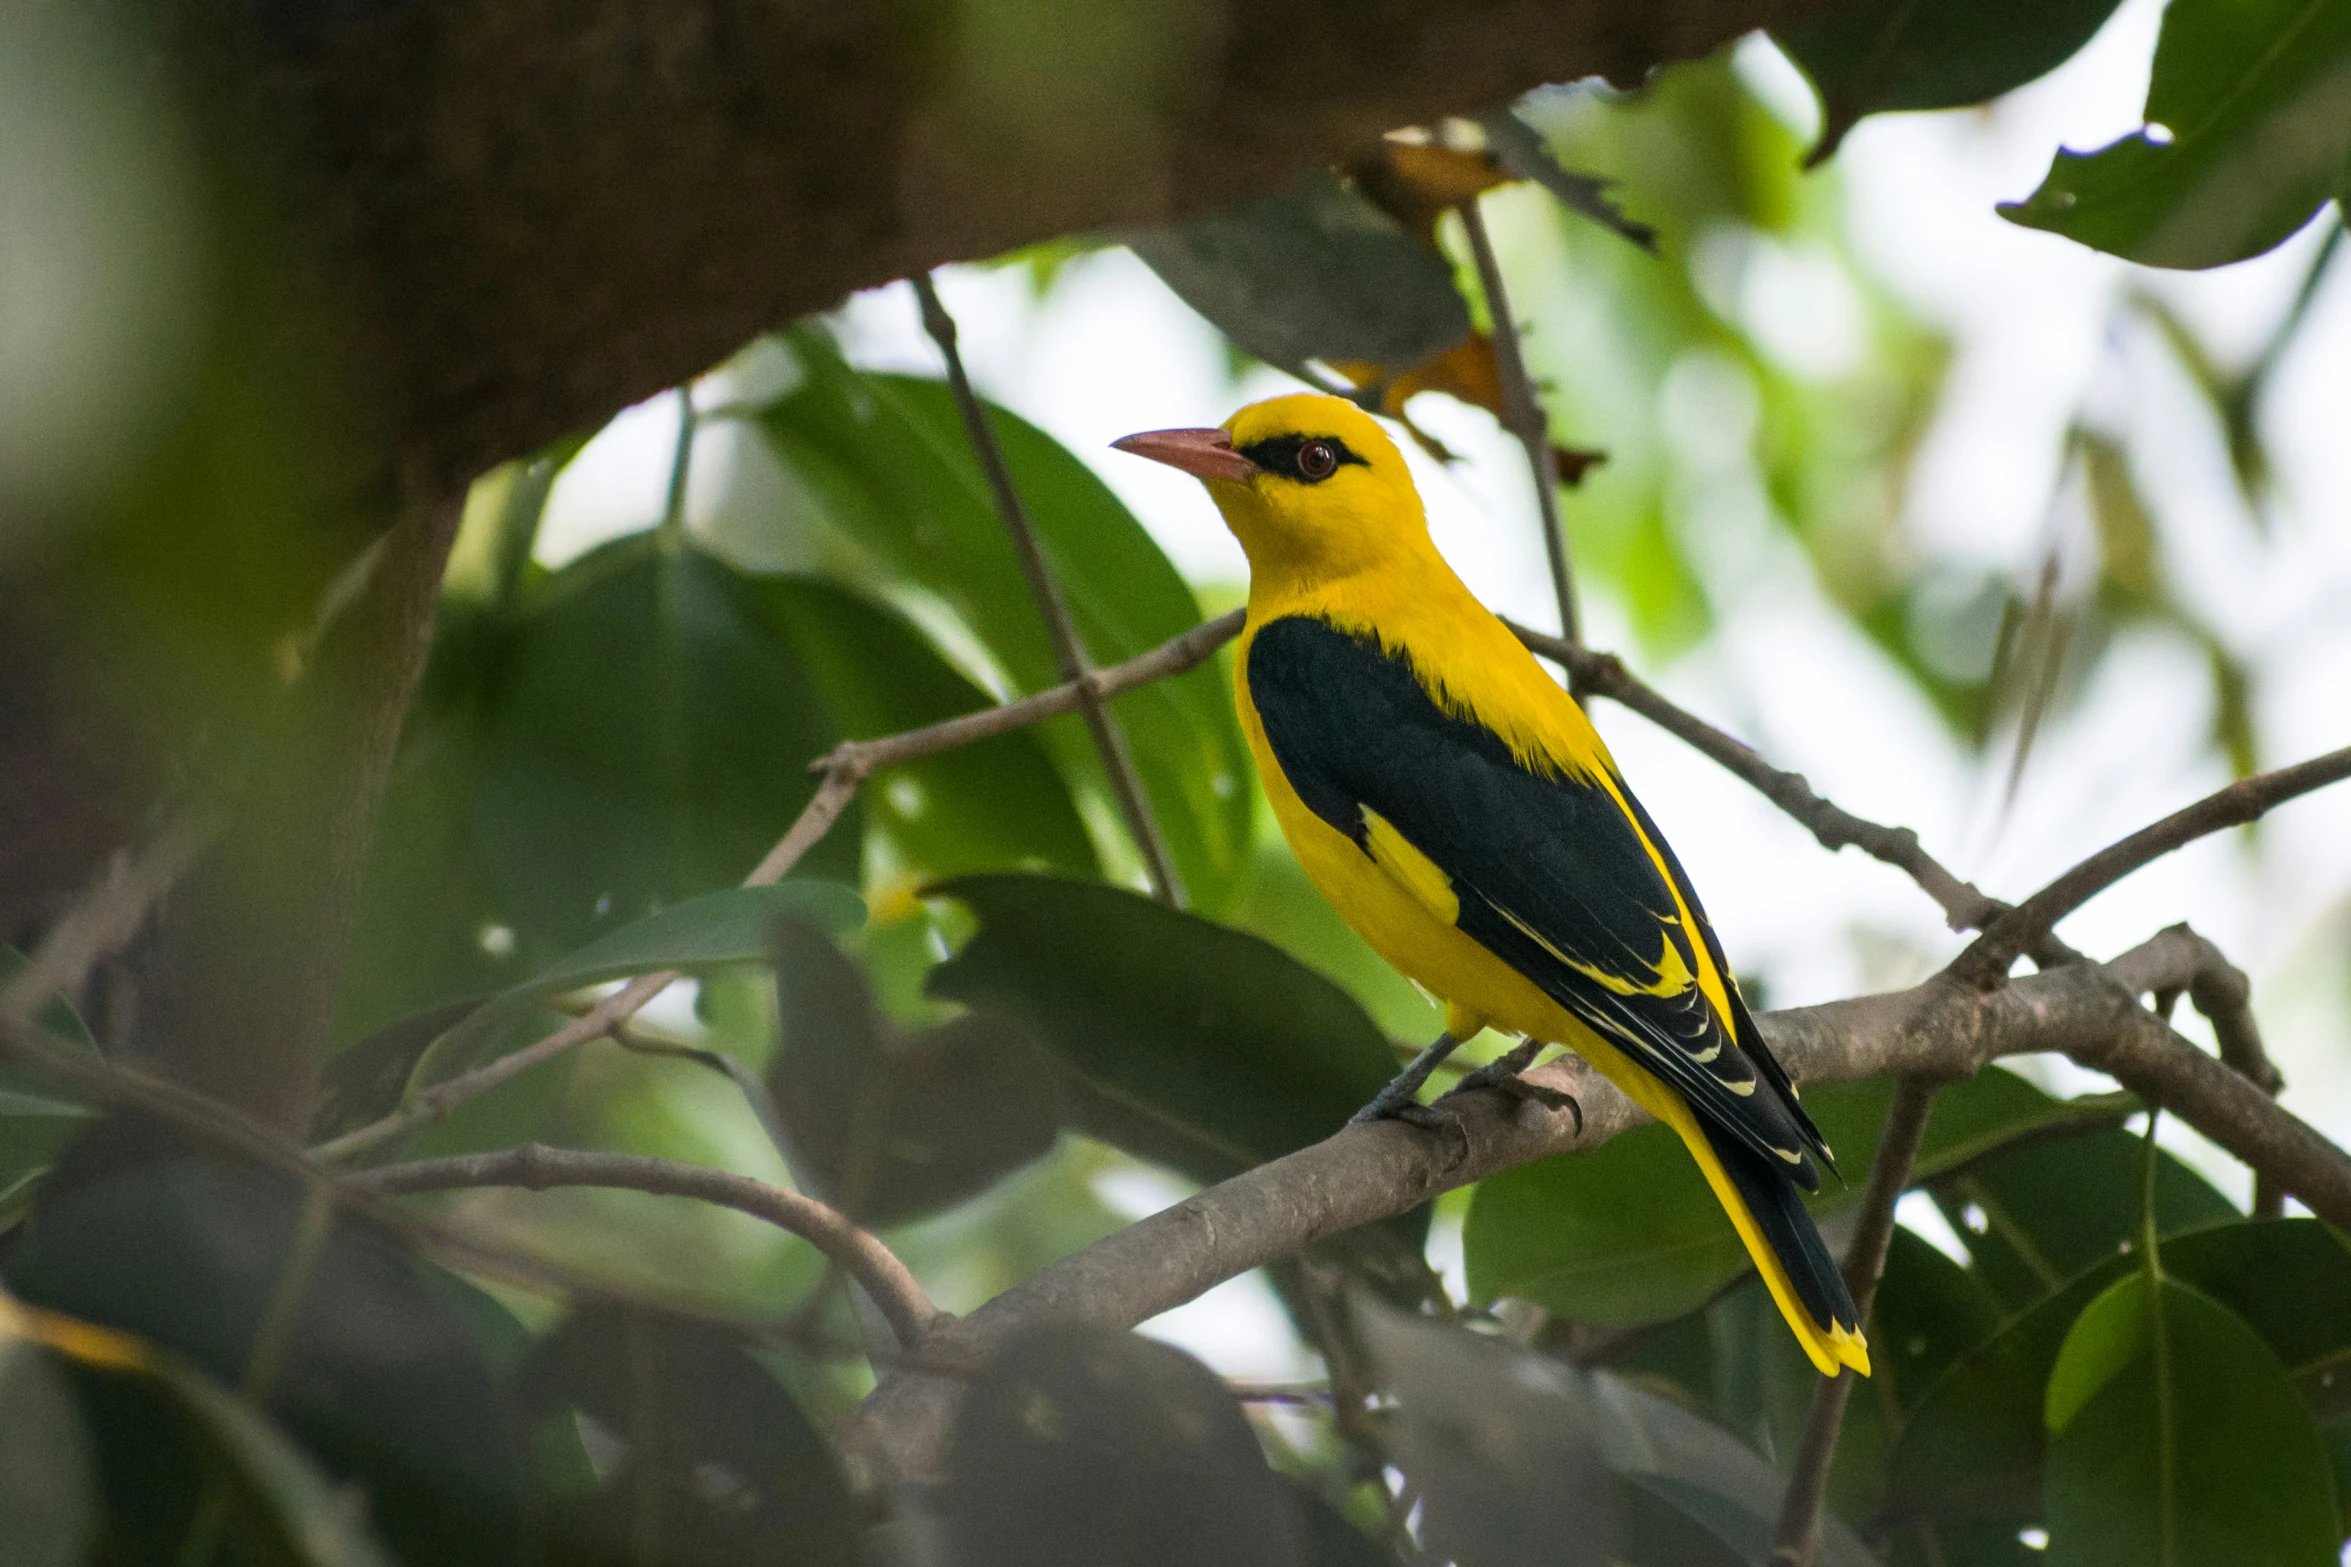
(1316, 460)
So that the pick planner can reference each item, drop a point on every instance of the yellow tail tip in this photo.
(1848, 1348)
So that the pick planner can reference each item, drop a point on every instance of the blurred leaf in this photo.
(889, 1124)
(710, 1462)
(37, 1120)
(1974, 1444)
(2040, 1214)
(492, 554)
(633, 733)
(1086, 1444)
(995, 805)
(1186, 1042)
(1629, 1233)
(1929, 1312)
(714, 931)
(2253, 102)
(2176, 1437)
(1320, 273)
(48, 1496)
(2232, 709)
(2129, 558)
(1525, 155)
(1899, 54)
(368, 1080)
(376, 1376)
(891, 499)
(1326, 1539)
(1499, 1443)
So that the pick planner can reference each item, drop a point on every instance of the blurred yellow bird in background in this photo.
(1457, 808)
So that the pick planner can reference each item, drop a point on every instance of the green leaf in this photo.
(1900, 54)
(1185, 1042)
(2176, 1437)
(1319, 273)
(998, 804)
(889, 1124)
(47, 1489)
(712, 1459)
(1500, 1444)
(632, 733)
(2042, 1213)
(1630, 1234)
(2253, 98)
(382, 1384)
(890, 499)
(1974, 1444)
(1085, 1444)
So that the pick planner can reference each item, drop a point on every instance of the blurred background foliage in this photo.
(962, 1022)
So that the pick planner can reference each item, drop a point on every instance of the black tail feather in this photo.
(1788, 1229)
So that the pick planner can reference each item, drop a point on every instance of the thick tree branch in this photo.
(1941, 1029)
(537, 1167)
(1987, 959)
(1069, 649)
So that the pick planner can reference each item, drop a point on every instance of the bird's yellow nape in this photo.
(1311, 485)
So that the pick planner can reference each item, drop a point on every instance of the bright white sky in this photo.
(1112, 351)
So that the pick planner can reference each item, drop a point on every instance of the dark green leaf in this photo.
(1974, 1443)
(368, 1080)
(893, 501)
(1900, 54)
(1320, 273)
(712, 1463)
(2253, 102)
(2176, 1437)
(1523, 154)
(37, 1119)
(1929, 1312)
(375, 1375)
(2039, 1215)
(995, 805)
(1186, 1042)
(1085, 1444)
(889, 1124)
(1500, 1444)
(47, 1490)
(1327, 1539)
(1629, 1233)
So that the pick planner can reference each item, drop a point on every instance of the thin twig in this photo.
(874, 1266)
(1797, 1541)
(1986, 960)
(1523, 416)
(1964, 905)
(1069, 649)
(843, 770)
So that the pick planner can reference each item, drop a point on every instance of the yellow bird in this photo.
(1458, 809)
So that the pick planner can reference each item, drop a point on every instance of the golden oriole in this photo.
(1457, 808)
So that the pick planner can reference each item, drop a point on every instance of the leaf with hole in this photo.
(1082, 1443)
(889, 1123)
(2248, 135)
(2176, 1436)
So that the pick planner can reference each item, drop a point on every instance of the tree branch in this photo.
(1965, 906)
(1941, 1029)
(1797, 1540)
(1069, 649)
(844, 770)
(536, 1167)
(1987, 959)
(1523, 416)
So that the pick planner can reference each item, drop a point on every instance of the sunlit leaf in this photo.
(1085, 1444)
(1897, 54)
(2249, 132)
(2175, 1437)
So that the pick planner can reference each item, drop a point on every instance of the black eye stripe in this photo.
(1278, 454)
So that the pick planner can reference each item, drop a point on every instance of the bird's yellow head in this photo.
(1310, 485)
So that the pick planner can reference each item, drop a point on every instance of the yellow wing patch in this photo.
(1412, 870)
(1671, 970)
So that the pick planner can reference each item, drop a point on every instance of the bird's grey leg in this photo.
(1503, 1073)
(1396, 1100)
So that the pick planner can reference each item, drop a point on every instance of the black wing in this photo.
(1551, 875)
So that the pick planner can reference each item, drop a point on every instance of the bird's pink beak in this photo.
(1205, 454)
